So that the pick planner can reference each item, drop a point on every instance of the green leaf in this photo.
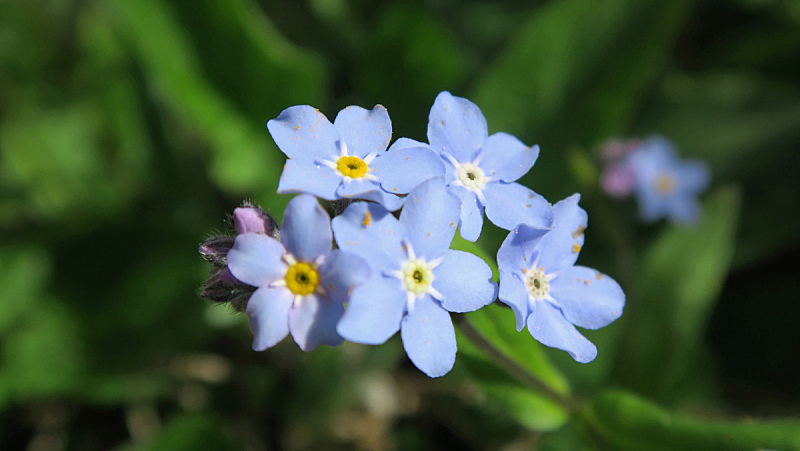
(243, 154)
(498, 325)
(681, 275)
(630, 423)
(575, 74)
(190, 432)
(751, 126)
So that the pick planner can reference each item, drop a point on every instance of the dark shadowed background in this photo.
(130, 129)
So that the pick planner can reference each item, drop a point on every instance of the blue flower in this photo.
(348, 159)
(667, 186)
(416, 280)
(547, 292)
(302, 284)
(482, 169)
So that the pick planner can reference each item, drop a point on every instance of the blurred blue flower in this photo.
(547, 292)
(348, 159)
(482, 169)
(416, 279)
(302, 284)
(667, 186)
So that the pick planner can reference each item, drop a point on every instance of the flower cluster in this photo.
(369, 273)
(664, 185)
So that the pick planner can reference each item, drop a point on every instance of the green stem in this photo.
(513, 368)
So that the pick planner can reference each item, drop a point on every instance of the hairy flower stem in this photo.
(513, 368)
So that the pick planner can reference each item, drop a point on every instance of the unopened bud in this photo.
(216, 248)
(618, 180)
(222, 287)
(615, 149)
(252, 219)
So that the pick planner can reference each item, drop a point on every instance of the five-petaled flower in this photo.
(416, 279)
(665, 185)
(547, 292)
(482, 169)
(348, 158)
(302, 283)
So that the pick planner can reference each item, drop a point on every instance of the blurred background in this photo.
(129, 130)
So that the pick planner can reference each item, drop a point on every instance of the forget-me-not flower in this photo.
(348, 158)
(302, 283)
(667, 186)
(547, 292)
(482, 169)
(416, 279)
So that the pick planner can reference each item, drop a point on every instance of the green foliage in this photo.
(631, 423)
(680, 278)
(128, 130)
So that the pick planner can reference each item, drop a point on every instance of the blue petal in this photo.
(268, 310)
(559, 248)
(506, 158)
(471, 213)
(587, 298)
(369, 190)
(465, 281)
(365, 228)
(517, 250)
(306, 231)
(312, 322)
(684, 209)
(340, 273)
(403, 143)
(306, 176)
(456, 126)
(511, 204)
(548, 325)
(429, 217)
(693, 176)
(514, 294)
(364, 131)
(429, 337)
(303, 132)
(256, 259)
(374, 312)
(402, 169)
(652, 204)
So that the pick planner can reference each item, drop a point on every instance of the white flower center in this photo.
(537, 283)
(417, 276)
(471, 176)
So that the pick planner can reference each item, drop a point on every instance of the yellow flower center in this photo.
(302, 279)
(665, 184)
(353, 167)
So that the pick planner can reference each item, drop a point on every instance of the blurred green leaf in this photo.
(190, 432)
(681, 275)
(24, 270)
(243, 155)
(498, 325)
(750, 128)
(574, 75)
(410, 58)
(42, 355)
(627, 422)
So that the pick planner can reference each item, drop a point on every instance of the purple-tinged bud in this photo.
(226, 276)
(223, 288)
(216, 248)
(252, 219)
(614, 149)
(618, 180)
